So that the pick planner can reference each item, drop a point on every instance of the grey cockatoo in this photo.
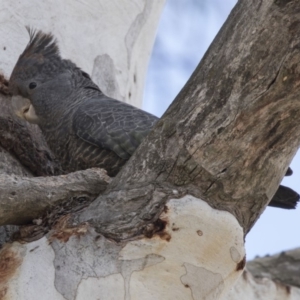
(83, 127)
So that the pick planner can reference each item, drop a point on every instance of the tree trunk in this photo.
(271, 277)
(172, 224)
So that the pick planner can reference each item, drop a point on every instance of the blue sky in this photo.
(185, 31)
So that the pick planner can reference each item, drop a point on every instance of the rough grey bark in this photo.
(10, 165)
(24, 199)
(230, 134)
(283, 267)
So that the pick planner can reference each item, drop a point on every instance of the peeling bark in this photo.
(171, 225)
(81, 264)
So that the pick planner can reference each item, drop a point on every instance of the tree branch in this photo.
(283, 267)
(230, 134)
(24, 199)
(270, 277)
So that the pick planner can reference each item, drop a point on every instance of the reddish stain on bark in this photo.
(283, 286)
(9, 263)
(241, 264)
(158, 228)
(63, 231)
(288, 289)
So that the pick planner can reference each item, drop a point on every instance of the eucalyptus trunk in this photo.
(172, 223)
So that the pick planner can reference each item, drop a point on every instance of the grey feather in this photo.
(111, 124)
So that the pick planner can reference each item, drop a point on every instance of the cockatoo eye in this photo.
(32, 85)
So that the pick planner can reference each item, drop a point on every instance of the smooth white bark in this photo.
(195, 257)
(110, 40)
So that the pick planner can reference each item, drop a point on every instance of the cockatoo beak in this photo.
(23, 108)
